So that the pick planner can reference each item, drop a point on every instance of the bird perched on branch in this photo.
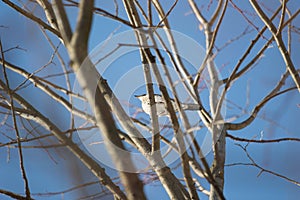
(160, 105)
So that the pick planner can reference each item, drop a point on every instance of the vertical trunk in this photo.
(218, 134)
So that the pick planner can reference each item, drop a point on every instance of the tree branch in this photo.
(14, 195)
(15, 127)
(258, 107)
(36, 116)
(278, 38)
(32, 17)
(79, 41)
(49, 12)
(261, 141)
(62, 21)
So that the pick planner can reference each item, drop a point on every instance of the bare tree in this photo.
(198, 90)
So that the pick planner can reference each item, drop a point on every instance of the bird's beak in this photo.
(139, 96)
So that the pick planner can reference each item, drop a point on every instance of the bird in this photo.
(160, 105)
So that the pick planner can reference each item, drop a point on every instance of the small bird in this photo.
(160, 105)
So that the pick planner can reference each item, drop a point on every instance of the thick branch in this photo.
(88, 161)
(169, 181)
(79, 41)
(49, 12)
(62, 21)
(38, 83)
(88, 77)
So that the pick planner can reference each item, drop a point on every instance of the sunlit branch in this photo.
(36, 116)
(38, 83)
(278, 38)
(32, 17)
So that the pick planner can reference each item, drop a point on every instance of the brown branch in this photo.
(65, 73)
(184, 157)
(278, 38)
(217, 131)
(280, 26)
(49, 12)
(178, 63)
(248, 121)
(162, 20)
(104, 13)
(68, 190)
(38, 83)
(62, 21)
(79, 41)
(236, 74)
(202, 20)
(249, 21)
(62, 89)
(15, 126)
(262, 141)
(142, 144)
(216, 12)
(87, 75)
(30, 116)
(178, 132)
(189, 85)
(205, 116)
(253, 163)
(14, 195)
(207, 26)
(32, 17)
(95, 168)
(173, 187)
(258, 107)
(232, 75)
(208, 55)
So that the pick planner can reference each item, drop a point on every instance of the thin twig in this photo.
(32, 17)
(97, 170)
(253, 163)
(211, 45)
(262, 141)
(278, 38)
(258, 107)
(23, 171)
(37, 82)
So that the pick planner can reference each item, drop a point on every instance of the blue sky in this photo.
(50, 173)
